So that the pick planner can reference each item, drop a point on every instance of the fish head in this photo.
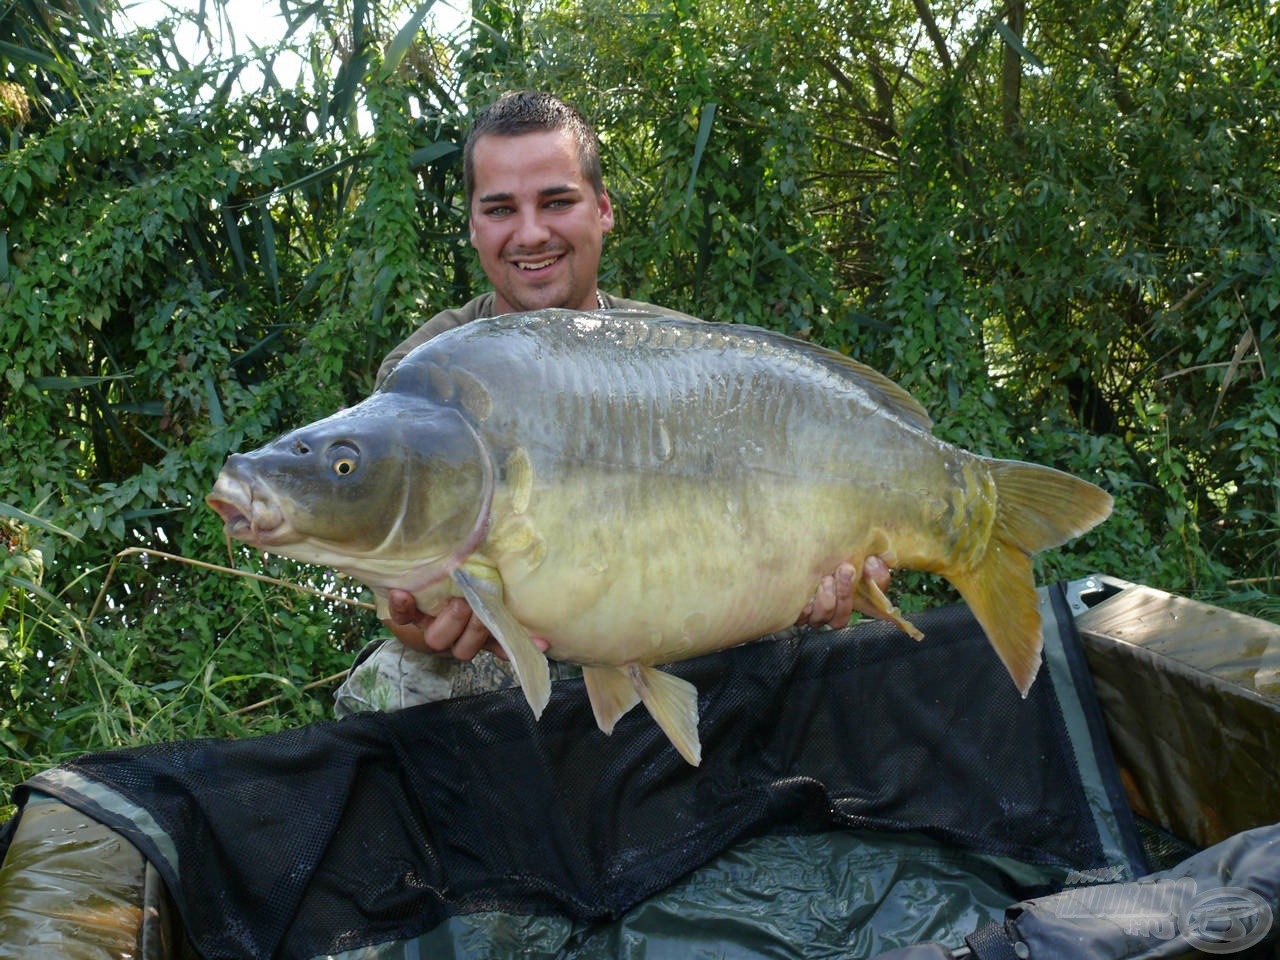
(383, 490)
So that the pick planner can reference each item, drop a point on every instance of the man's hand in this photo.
(455, 632)
(836, 599)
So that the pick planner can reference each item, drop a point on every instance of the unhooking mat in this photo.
(859, 793)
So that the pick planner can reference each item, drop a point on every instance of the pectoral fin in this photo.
(485, 597)
(381, 603)
(673, 704)
(611, 693)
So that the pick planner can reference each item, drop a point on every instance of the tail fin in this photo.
(1036, 508)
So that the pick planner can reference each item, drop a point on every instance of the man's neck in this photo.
(594, 302)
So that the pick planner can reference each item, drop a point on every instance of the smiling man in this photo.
(538, 212)
(537, 221)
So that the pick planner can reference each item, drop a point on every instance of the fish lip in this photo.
(234, 520)
(259, 527)
(247, 516)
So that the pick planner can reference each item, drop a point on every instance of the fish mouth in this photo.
(246, 514)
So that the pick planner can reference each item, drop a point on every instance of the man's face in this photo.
(536, 221)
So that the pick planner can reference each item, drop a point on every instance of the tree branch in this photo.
(935, 35)
(1011, 74)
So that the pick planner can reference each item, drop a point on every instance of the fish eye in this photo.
(344, 458)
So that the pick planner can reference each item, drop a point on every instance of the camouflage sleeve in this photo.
(481, 306)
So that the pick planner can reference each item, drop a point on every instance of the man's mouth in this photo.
(531, 266)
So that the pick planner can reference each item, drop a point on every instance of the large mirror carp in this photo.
(638, 490)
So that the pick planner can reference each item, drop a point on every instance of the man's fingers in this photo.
(833, 601)
(842, 606)
(823, 603)
(454, 632)
(448, 626)
(874, 568)
(404, 609)
(475, 636)
(877, 571)
(837, 596)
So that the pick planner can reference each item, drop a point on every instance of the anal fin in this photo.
(485, 597)
(673, 704)
(870, 591)
(611, 693)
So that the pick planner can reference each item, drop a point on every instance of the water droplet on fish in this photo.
(662, 445)
(695, 626)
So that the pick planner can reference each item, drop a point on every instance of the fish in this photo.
(639, 489)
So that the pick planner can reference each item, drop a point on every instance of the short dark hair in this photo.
(531, 111)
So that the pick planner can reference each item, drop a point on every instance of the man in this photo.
(538, 213)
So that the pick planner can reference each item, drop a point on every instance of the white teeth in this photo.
(537, 266)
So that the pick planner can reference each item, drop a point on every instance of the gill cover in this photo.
(396, 478)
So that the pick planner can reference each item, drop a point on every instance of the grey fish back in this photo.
(618, 386)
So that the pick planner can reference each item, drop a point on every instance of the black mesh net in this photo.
(376, 828)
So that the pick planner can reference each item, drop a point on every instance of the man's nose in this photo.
(531, 231)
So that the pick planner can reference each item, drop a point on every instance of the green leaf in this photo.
(145, 408)
(1016, 45)
(315, 175)
(142, 513)
(229, 83)
(233, 239)
(269, 253)
(74, 383)
(704, 134)
(434, 151)
(304, 14)
(35, 588)
(8, 510)
(403, 40)
(215, 405)
(346, 84)
(27, 55)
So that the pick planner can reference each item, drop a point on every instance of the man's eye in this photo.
(498, 212)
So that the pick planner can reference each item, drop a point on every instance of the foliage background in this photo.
(1056, 224)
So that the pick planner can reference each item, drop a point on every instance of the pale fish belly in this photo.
(616, 569)
(662, 503)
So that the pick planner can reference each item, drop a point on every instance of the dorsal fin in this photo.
(873, 381)
(894, 397)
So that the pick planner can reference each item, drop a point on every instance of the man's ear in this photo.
(472, 230)
(606, 212)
